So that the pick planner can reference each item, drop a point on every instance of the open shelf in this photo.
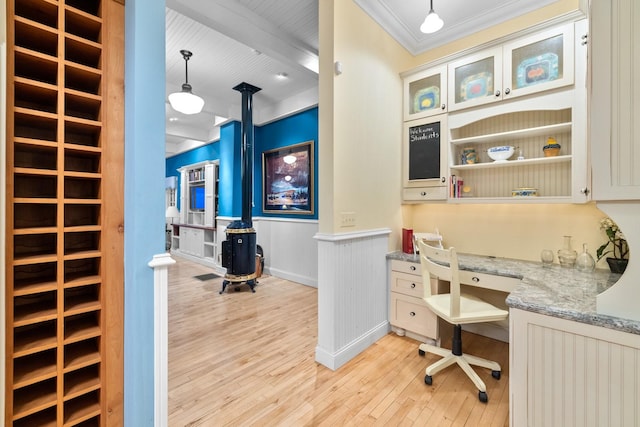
(514, 163)
(514, 135)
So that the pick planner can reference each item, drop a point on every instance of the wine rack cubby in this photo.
(64, 75)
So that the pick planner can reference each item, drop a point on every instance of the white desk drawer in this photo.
(408, 284)
(488, 281)
(406, 267)
(425, 193)
(413, 315)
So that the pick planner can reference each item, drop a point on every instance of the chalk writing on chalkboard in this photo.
(424, 151)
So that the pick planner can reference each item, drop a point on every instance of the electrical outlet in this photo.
(347, 219)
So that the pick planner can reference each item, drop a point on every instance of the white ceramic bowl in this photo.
(502, 153)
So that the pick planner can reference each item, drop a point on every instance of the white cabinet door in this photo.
(539, 62)
(614, 124)
(192, 241)
(535, 63)
(475, 79)
(425, 93)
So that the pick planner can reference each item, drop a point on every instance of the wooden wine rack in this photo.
(64, 266)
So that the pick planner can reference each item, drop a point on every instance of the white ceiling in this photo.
(251, 41)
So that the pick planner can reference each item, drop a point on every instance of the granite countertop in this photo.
(552, 291)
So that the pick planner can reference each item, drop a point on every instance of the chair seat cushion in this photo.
(472, 309)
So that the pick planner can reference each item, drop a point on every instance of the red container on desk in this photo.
(407, 240)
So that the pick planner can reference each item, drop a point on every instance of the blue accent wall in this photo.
(206, 152)
(144, 170)
(290, 130)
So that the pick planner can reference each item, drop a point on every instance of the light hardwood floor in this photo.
(244, 359)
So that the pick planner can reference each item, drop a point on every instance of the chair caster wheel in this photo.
(428, 380)
(421, 352)
(483, 396)
(495, 374)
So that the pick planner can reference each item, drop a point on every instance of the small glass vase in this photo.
(567, 255)
(585, 261)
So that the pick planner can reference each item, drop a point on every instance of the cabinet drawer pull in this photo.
(423, 193)
(413, 286)
(412, 268)
(412, 314)
(475, 279)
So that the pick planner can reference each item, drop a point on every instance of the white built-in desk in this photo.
(568, 364)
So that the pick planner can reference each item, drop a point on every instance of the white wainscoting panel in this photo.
(352, 294)
(289, 248)
(568, 374)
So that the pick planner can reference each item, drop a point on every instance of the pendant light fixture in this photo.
(432, 22)
(185, 101)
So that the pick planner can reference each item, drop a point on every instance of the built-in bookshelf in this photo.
(64, 214)
(195, 236)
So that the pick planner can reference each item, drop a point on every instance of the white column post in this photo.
(160, 264)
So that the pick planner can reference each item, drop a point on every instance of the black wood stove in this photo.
(239, 249)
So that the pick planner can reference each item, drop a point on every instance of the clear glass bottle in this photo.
(567, 255)
(585, 261)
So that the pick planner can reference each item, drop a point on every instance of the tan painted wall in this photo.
(360, 130)
(512, 231)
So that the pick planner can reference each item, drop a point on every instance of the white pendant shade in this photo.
(186, 102)
(432, 23)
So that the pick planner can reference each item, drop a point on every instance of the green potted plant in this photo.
(616, 245)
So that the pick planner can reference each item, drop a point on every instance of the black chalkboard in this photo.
(424, 151)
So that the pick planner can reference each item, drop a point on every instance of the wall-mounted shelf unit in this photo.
(519, 92)
(64, 266)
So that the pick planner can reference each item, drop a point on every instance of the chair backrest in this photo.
(433, 239)
(443, 264)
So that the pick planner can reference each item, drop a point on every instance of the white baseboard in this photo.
(304, 280)
(335, 360)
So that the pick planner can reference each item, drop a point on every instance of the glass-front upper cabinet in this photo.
(534, 63)
(539, 62)
(425, 93)
(475, 79)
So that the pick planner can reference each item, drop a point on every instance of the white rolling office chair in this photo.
(457, 309)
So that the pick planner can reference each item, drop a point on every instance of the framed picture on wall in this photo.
(287, 179)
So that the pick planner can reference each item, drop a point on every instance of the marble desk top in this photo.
(554, 291)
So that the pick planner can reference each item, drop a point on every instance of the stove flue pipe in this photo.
(247, 92)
